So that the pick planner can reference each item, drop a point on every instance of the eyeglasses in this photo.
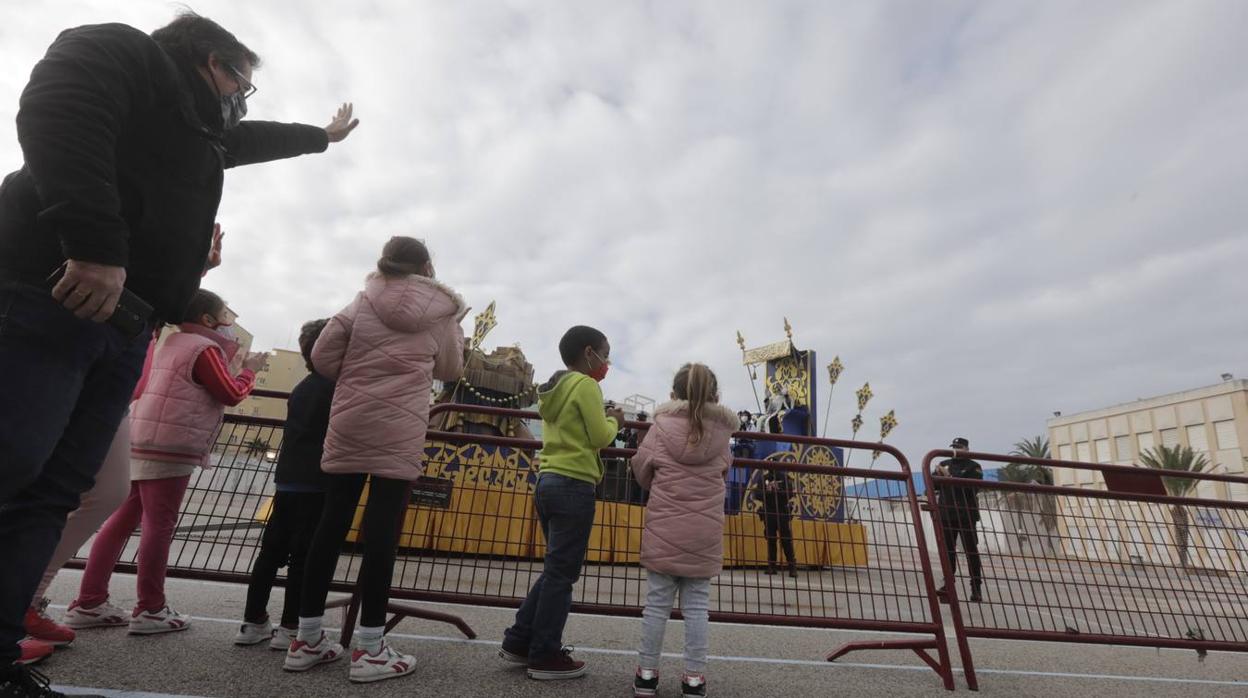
(248, 87)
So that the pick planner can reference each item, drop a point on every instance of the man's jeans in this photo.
(565, 509)
(64, 387)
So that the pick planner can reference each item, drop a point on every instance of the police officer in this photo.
(959, 513)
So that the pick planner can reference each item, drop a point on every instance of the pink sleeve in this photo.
(448, 365)
(331, 347)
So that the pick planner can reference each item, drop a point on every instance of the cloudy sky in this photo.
(989, 210)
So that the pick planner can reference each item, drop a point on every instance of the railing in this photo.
(1118, 561)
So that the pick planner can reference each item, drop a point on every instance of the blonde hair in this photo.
(697, 384)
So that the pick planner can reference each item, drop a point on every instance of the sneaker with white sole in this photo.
(105, 615)
(645, 683)
(693, 686)
(386, 664)
(165, 620)
(282, 638)
(303, 656)
(253, 633)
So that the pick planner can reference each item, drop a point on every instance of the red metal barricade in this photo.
(1113, 559)
(470, 535)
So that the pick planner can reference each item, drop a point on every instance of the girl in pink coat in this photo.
(683, 461)
(384, 351)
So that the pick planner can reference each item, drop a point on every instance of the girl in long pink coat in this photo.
(384, 351)
(683, 461)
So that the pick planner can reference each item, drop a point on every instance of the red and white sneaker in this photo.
(105, 615)
(386, 664)
(166, 620)
(33, 651)
(303, 656)
(42, 628)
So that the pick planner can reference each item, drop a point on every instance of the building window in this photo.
(1196, 438)
(1146, 441)
(1170, 437)
(1063, 452)
(1102, 451)
(1122, 444)
(1228, 437)
(1083, 452)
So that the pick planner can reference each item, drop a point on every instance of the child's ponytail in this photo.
(697, 384)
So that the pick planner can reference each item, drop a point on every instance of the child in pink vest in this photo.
(683, 461)
(172, 428)
(383, 351)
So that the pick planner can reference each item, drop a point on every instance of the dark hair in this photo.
(204, 302)
(190, 39)
(576, 339)
(308, 335)
(402, 256)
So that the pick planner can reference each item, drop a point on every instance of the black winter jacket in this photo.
(303, 440)
(124, 157)
(958, 502)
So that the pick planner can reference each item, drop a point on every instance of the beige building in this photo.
(1212, 420)
(286, 368)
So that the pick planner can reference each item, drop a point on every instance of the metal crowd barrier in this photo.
(470, 536)
(1116, 560)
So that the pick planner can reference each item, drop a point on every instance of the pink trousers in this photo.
(153, 505)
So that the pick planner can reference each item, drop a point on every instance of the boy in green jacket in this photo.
(574, 427)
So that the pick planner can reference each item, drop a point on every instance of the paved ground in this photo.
(748, 661)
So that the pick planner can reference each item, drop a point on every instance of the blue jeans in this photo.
(65, 384)
(565, 509)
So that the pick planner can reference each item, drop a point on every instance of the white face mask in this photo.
(226, 331)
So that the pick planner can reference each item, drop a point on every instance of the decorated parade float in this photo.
(476, 498)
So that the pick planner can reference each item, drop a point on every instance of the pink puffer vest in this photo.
(176, 419)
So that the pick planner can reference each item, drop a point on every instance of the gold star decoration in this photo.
(864, 396)
(482, 324)
(834, 370)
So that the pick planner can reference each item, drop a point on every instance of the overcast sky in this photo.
(989, 210)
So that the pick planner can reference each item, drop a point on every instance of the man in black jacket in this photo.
(125, 139)
(959, 513)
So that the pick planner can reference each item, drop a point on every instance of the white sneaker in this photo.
(282, 638)
(386, 664)
(253, 633)
(105, 615)
(303, 656)
(166, 620)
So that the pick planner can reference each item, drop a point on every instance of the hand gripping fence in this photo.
(1119, 559)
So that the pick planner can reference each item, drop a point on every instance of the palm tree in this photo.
(1179, 459)
(1037, 447)
(257, 446)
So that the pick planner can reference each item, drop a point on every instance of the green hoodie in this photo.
(574, 426)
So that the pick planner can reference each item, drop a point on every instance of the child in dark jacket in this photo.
(296, 506)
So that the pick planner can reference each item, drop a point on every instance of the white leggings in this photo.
(695, 601)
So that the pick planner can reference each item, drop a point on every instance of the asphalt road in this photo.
(749, 661)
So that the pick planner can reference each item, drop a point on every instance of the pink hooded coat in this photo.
(684, 534)
(384, 352)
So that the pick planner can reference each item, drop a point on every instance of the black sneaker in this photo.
(693, 686)
(513, 653)
(557, 667)
(645, 683)
(23, 682)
